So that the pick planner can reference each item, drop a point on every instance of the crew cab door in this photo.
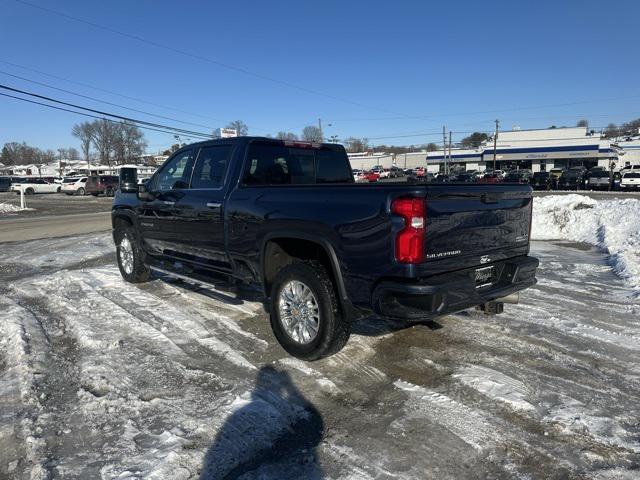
(157, 218)
(200, 212)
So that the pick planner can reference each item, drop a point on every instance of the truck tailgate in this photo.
(476, 224)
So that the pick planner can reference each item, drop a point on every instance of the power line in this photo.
(205, 59)
(104, 101)
(515, 109)
(100, 112)
(111, 92)
(79, 113)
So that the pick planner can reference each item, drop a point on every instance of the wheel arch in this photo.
(280, 249)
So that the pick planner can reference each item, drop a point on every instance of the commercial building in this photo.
(536, 150)
(542, 150)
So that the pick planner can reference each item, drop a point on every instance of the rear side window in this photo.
(273, 164)
(211, 167)
(331, 167)
(631, 175)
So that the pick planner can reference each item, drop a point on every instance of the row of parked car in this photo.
(576, 178)
(82, 185)
(579, 178)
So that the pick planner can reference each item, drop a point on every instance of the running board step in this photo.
(193, 278)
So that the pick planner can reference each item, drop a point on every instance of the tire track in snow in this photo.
(201, 346)
(21, 338)
(208, 309)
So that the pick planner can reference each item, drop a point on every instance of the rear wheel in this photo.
(29, 191)
(305, 317)
(80, 191)
(109, 192)
(130, 256)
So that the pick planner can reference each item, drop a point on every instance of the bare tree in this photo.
(133, 140)
(611, 130)
(286, 136)
(582, 123)
(104, 136)
(173, 148)
(73, 154)
(431, 147)
(312, 134)
(239, 126)
(354, 145)
(84, 132)
(474, 140)
(630, 128)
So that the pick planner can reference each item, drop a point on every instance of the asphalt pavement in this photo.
(51, 226)
(54, 215)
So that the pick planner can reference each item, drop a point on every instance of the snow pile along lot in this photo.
(611, 224)
(8, 208)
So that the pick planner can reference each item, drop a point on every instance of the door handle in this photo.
(214, 204)
(168, 202)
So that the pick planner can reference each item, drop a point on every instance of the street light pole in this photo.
(495, 141)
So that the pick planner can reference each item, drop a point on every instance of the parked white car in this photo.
(74, 186)
(35, 185)
(630, 180)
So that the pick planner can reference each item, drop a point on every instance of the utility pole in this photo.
(320, 127)
(495, 141)
(444, 147)
(450, 155)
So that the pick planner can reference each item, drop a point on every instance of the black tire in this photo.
(29, 191)
(109, 192)
(333, 330)
(139, 272)
(59, 190)
(81, 191)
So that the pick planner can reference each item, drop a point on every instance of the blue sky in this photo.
(394, 72)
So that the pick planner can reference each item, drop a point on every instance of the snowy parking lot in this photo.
(165, 380)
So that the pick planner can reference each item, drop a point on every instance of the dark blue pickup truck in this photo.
(288, 217)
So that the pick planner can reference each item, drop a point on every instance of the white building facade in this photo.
(536, 150)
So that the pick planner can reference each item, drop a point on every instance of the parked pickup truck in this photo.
(288, 217)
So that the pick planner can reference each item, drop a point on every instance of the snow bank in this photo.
(8, 208)
(611, 224)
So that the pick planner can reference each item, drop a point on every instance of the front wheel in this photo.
(130, 256)
(80, 191)
(305, 316)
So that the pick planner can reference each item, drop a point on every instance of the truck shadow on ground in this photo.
(223, 291)
(273, 435)
(373, 326)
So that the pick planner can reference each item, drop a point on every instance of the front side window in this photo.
(211, 167)
(175, 174)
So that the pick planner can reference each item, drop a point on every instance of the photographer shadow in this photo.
(273, 434)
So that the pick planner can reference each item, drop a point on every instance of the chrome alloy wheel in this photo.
(299, 312)
(126, 255)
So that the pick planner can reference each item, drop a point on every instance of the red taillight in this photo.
(410, 240)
